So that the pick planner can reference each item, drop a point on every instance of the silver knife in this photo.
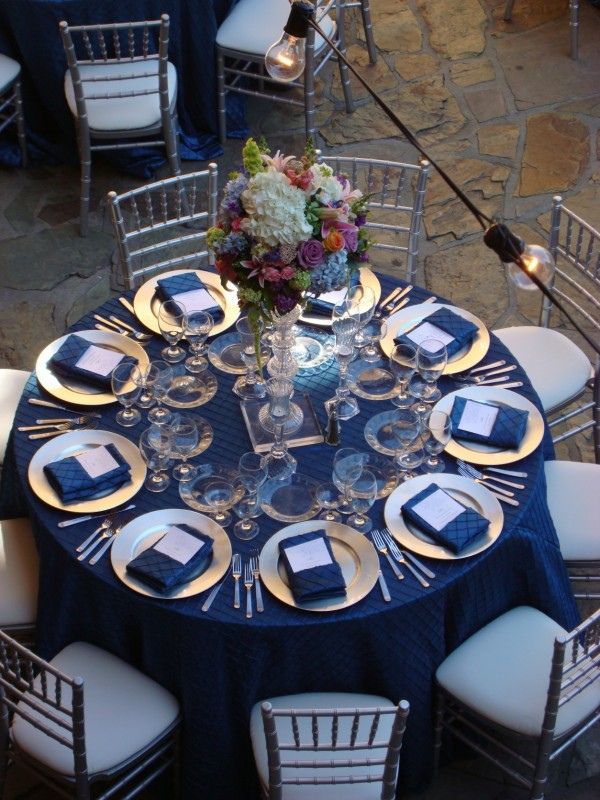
(512, 385)
(208, 602)
(37, 401)
(66, 522)
(383, 586)
(508, 500)
(514, 473)
(501, 370)
(506, 483)
(126, 304)
(487, 366)
(391, 296)
(419, 564)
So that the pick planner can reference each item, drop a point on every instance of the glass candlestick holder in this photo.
(277, 417)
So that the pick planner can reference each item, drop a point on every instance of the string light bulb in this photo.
(537, 261)
(285, 59)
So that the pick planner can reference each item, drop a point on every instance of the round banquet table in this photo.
(219, 664)
(29, 33)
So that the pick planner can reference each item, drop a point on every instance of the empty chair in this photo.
(396, 201)
(120, 85)
(163, 225)
(253, 26)
(328, 745)
(558, 368)
(574, 503)
(573, 23)
(109, 728)
(19, 569)
(12, 383)
(521, 674)
(11, 105)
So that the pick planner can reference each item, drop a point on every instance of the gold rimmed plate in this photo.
(144, 531)
(354, 553)
(367, 279)
(487, 455)
(79, 392)
(146, 304)
(74, 442)
(466, 358)
(465, 491)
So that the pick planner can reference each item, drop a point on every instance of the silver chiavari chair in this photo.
(108, 730)
(163, 225)
(19, 570)
(120, 85)
(396, 202)
(524, 675)
(11, 104)
(573, 23)
(318, 742)
(242, 45)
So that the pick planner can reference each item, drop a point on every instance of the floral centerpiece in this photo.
(289, 229)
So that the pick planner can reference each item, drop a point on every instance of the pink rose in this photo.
(270, 274)
(287, 273)
(311, 253)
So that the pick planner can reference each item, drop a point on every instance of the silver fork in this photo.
(104, 534)
(60, 423)
(380, 545)
(467, 474)
(248, 582)
(236, 571)
(399, 556)
(256, 574)
(109, 543)
(475, 473)
(106, 523)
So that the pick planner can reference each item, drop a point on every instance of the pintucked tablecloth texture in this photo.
(219, 664)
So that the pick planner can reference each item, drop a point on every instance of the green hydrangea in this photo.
(252, 158)
(214, 236)
(249, 296)
(301, 281)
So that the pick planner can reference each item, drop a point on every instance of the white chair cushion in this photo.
(556, 367)
(124, 709)
(574, 502)
(502, 672)
(253, 26)
(9, 70)
(122, 113)
(12, 383)
(359, 791)
(18, 573)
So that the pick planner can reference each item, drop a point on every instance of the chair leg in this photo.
(85, 160)
(309, 105)
(574, 28)
(344, 73)
(508, 9)
(437, 730)
(20, 123)
(171, 143)
(222, 111)
(365, 11)
(4, 742)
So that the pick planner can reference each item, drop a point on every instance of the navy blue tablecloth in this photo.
(29, 33)
(219, 665)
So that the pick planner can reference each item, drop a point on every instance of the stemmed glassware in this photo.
(440, 430)
(172, 322)
(406, 428)
(372, 333)
(432, 358)
(249, 386)
(344, 327)
(361, 306)
(252, 474)
(155, 444)
(140, 376)
(197, 330)
(403, 363)
(185, 436)
(328, 497)
(127, 392)
(362, 496)
(276, 417)
(160, 379)
(348, 464)
(220, 496)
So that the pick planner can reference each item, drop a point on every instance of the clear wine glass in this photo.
(348, 463)
(140, 378)
(363, 493)
(197, 330)
(344, 327)
(251, 385)
(372, 333)
(127, 392)
(432, 358)
(252, 471)
(403, 363)
(220, 496)
(154, 445)
(172, 322)
(328, 497)
(160, 379)
(361, 305)
(185, 437)
(246, 509)
(406, 428)
(439, 426)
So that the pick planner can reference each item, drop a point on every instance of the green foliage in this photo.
(310, 153)
(301, 281)
(312, 217)
(252, 158)
(263, 146)
(213, 237)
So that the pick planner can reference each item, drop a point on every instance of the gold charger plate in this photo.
(354, 553)
(146, 304)
(465, 359)
(144, 531)
(67, 444)
(78, 392)
(486, 455)
(367, 278)
(466, 491)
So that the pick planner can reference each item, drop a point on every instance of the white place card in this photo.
(438, 509)
(308, 554)
(478, 418)
(178, 545)
(196, 300)
(99, 360)
(335, 297)
(96, 461)
(428, 330)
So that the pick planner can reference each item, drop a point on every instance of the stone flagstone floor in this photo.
(500, 105)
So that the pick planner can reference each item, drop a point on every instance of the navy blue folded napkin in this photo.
(316, 582)
(172, 287)
(462, 330)
(458, 532)
(508, 429)
(320, 307)
(75, 359)
(75, 477)
(162, 572)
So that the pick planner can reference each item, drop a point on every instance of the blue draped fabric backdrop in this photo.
(29, 33)
(219, 664)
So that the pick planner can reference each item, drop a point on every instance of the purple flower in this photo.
(285, 303)
(311, 253)
(360, 219)
(363, 257)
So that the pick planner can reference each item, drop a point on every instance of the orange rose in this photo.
(334, 241)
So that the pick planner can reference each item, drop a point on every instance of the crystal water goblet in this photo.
(328, 497)
(363, 493)
(220, 496)
(185, 437)
(252, 471)
(372, 333)
(432, 358)
(160, 378)
(403, 363)
(246, 509)
(348, 463)
(154, 445)
(439, 427)
(344, 328)
(127, 392)
(197, 330)
(141, 378)
(172, 323)
(406, 428)
(361, 302)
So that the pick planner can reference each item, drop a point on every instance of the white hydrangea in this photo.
(325, 184)
(276, 210)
